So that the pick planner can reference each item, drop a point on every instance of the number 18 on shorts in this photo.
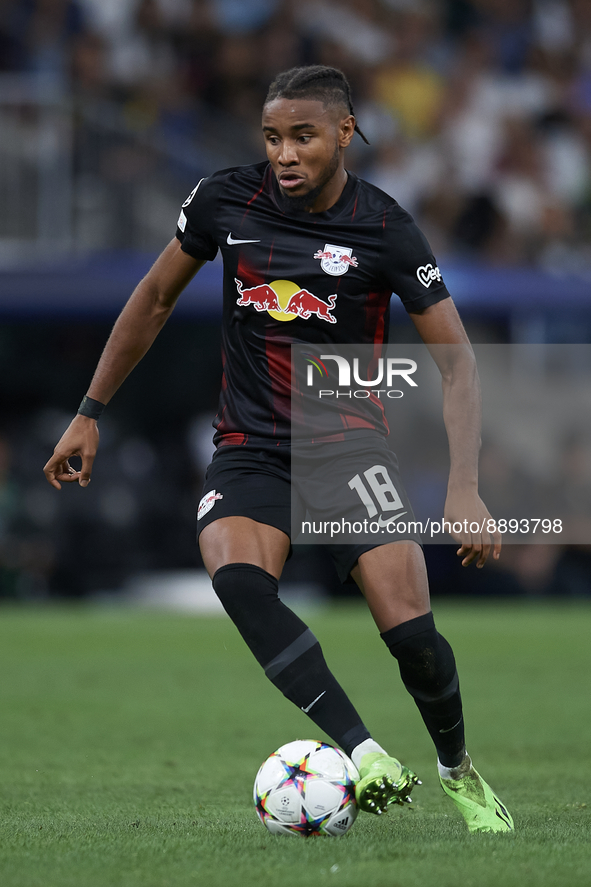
(349, 492)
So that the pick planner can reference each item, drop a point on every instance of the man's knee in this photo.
(393, 579)
(426, 660)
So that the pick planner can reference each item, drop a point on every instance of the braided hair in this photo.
(328, 85)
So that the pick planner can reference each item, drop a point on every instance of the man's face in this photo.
(305, 142)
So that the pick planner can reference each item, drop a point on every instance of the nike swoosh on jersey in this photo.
(231, 242)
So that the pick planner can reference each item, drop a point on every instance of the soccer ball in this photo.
(306, 788)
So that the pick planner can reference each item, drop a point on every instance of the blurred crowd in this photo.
(478, 111)
(479, 117)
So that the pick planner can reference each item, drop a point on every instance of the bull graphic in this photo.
(304, 304)
(262, 298)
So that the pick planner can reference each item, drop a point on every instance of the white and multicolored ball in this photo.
(306, 788)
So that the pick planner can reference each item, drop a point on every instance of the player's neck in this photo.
(330, 193)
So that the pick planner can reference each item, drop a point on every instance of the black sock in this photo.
(288, 651)
(428, 671)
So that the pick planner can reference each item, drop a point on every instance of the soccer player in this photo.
(334, 248)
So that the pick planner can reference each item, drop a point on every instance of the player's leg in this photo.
(245, 558)
(237, 539)
(328, 476)
(393, 579)
(382, 775)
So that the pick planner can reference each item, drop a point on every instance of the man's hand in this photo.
(137, 326)
(466, 508)
(81, 439)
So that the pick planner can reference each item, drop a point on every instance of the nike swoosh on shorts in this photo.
(389, 520)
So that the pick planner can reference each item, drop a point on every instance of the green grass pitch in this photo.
(129, 743)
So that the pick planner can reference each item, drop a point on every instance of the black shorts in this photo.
(259, 483)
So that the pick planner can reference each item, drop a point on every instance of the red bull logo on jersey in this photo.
(285, 300)
(336, 260)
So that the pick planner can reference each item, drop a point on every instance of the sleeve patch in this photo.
(182, 222)
(192, 194)
(427, 274)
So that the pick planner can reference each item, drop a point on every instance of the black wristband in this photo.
(90, 408)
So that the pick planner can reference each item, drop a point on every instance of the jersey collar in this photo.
(334, 211)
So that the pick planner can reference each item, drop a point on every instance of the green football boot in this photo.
(383, 781)
(476, 801)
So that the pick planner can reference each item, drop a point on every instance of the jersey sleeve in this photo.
(408, 265)
(196, 223)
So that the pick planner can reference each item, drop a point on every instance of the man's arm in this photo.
(144, 315)
(440, 325)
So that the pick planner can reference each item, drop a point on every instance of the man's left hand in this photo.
(466, 508)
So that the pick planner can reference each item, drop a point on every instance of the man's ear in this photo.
(346, 130)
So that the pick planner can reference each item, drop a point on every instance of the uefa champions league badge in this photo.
(336, 260)
(207, 503)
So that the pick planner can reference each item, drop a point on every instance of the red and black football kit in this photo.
(321, 280)
(294, 278)
(281, 287)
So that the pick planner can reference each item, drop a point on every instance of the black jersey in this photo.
(294, 277)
